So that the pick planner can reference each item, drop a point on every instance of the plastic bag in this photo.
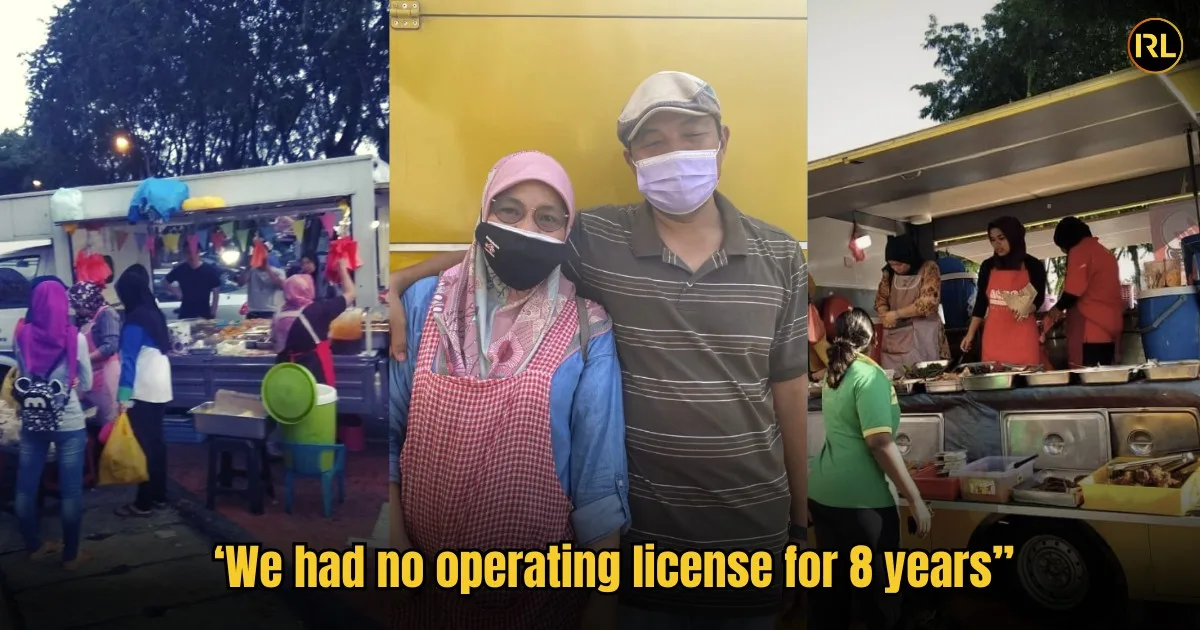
(343, 249)
(157, 200)
(66, 205)
(202, 203)
(91, 267)
(6, 387)
(258, 257)
(348, 326)
(123, 461)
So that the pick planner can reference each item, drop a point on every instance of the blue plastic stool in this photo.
(304, 460)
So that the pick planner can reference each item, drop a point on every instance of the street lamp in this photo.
(37, 183)
(123, 145)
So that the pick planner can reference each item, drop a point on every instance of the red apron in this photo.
(321, 351)
(478, 473)
(1075, 326)
(1005, 339)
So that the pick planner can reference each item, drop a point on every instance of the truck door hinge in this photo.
(404, 15)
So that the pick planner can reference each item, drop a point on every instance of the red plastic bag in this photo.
(342, 249)
(258, 257)
(91, 267)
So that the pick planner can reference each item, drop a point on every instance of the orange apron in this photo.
(1006, 340)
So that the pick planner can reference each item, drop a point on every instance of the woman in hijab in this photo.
(52, 358)
(1091, 297)
(514, 392)
(101, 326)
(145, 384)
(301, 327)
(1011, 287)
(907, 301)
(34, 285)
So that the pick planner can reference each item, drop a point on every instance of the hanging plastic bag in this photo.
(66, 205)
(348, 326)
(342, 249)
(258, 257)
(123, 461)
(6, 387)
(157, 200)
(91, 267)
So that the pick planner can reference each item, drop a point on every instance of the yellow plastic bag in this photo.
(6, 387)
(122, 461)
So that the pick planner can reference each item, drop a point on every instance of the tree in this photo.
(206, 85)
(1028, 47)
(18, 162)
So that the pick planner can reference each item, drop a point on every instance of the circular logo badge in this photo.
(1155, 45)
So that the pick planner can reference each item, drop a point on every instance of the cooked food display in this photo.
(1058, 484)
(1151, 476)
(923, 372)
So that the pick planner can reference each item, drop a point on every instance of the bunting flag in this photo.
(122, 236)
(171, 243)
(202, 238)
(140, 240)
(298, 228)
(69, 228)
(327, 222)
(152, 243)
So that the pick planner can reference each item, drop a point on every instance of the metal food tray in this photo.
(1053, 378)
(1024, 492)
(229, 426)
(906, 387)
(1113, 375)
(1173, 371)
(943, 386)
(989, 382)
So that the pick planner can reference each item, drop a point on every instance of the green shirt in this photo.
(846, 474)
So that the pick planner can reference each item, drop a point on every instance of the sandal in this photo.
(130, 510)
(46, 550)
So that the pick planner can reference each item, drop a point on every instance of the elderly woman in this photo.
(102, 327)
(507, 424)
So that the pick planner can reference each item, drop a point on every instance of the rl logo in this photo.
(1155, 45)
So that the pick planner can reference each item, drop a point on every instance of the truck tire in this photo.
(1066, 570)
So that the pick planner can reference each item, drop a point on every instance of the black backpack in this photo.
(41, 400)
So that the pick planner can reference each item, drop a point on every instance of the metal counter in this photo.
(361, 380)
(972, 419)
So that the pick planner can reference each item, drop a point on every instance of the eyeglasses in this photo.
(511, 212)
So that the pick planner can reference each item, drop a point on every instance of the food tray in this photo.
(1173, 371)
(944, 386)
(1108, 375)
(906, 387)
(989, 382)
(1100, 495)
(1024, 492)
(935, 488)
(1054, 378)
(991, 479)
(229, 426)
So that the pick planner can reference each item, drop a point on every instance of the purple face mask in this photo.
(679, 182)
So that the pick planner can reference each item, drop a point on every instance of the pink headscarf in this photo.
(520, 324)
(298, 292)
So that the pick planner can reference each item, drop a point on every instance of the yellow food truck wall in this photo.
(480, 79)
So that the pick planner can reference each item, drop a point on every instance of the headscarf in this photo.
(298, 292)
(903, 249)
(519, 325)
(1069, 232)
(47, 337)
(141, 308)
(87, 298)
(1014, 231)
(33, 285)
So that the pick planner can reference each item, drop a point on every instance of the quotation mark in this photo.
(1002, 552)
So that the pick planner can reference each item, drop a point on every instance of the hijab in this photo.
(1070, 232)
(298, 292)
(141, 308)
(33, 285)
(1014, 231)
(903, 249)
(87, 298)
(47, 337)
(521, 322)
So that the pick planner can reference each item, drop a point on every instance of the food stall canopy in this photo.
(247, 212)
(1115, 128)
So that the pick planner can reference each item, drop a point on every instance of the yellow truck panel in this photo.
(478, 79)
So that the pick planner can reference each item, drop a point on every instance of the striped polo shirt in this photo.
(699, 351)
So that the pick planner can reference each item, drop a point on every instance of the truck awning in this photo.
(291, 207)
(1110, 129)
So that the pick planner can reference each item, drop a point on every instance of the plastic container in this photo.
(1170, 323)
(991, 479)
(305, 410)
(935, 488)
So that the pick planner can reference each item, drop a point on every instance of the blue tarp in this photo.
(157, 200)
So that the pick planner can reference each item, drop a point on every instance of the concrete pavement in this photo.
(144, 573)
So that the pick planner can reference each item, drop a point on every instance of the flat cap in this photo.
(666, 91)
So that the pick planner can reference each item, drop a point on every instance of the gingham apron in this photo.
(478, 473)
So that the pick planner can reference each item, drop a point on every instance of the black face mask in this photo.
(521, 262)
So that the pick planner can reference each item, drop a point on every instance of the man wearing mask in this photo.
(709, 307)
(197, 284)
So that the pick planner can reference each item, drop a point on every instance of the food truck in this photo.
(282, 203)
(1089, 474)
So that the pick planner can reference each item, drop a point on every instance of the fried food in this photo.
(1153, 476)
(1058, 484)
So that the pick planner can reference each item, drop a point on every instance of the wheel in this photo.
(1064, 569)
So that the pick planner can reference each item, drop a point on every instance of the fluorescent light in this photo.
(863, 242)
(231, 256)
